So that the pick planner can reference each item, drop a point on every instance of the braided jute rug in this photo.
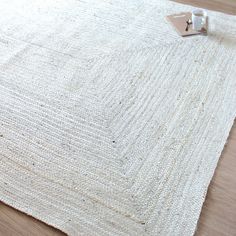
(110, 123)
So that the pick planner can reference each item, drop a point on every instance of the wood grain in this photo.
(14, 223)
(218, 217)
(226, 6)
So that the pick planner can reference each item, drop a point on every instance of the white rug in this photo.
(110, 123)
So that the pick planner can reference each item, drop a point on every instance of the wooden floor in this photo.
(227, 6)
(218, 217)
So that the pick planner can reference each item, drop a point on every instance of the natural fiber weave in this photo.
(111, 124)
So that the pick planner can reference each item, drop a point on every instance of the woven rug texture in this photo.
(110, 123)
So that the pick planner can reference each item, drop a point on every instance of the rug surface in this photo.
(110, 123)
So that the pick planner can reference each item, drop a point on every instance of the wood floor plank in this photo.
(226, 6)
(218, 217)
(14, 223)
